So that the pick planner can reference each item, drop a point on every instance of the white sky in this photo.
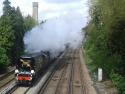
(50, 8)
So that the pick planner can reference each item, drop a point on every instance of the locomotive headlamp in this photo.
(16, 71)
(32, 71)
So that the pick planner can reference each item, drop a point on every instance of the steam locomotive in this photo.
(29, 66)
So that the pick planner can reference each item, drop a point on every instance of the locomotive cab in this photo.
(25, 64)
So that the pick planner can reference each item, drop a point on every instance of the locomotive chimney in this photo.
(35, 11)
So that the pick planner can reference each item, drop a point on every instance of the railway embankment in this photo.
(102, 87)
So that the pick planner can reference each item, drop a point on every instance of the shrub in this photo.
(4, 61)
(119, 81)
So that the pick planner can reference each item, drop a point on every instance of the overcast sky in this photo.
(50, 8)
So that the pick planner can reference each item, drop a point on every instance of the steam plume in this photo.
(56, 33)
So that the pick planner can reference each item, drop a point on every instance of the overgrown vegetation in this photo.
(12, 29)
(105, 44)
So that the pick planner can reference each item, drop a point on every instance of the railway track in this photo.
(56, 77)
(26, 90)
(7, 74)
(6, 82)
(78, 86)
(61, 78)
(64, 84)
(20, 90)
(67, 79)
(3, 85)
(6, 79)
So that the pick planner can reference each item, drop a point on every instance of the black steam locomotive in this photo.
(28, 66)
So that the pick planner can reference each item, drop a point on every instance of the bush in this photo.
(105, 43)
(4, 61)
(119, 81)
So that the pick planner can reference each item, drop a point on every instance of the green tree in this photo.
(4, 61)
(6, 8)
(6, 33)
(29, 23)
(105, 43)
(17, 23)
(12, 29)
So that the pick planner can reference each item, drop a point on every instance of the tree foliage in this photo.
(4, 60)
(6, 8)
(105, 43)
(29, 23)
(12, 29)
(6, 33)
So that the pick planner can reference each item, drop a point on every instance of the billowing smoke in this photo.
(56, 34)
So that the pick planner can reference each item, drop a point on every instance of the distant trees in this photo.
(12, 29)
(105, 44)
(7, 8)
(29, 22)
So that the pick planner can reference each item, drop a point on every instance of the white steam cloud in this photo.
(56, 33)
